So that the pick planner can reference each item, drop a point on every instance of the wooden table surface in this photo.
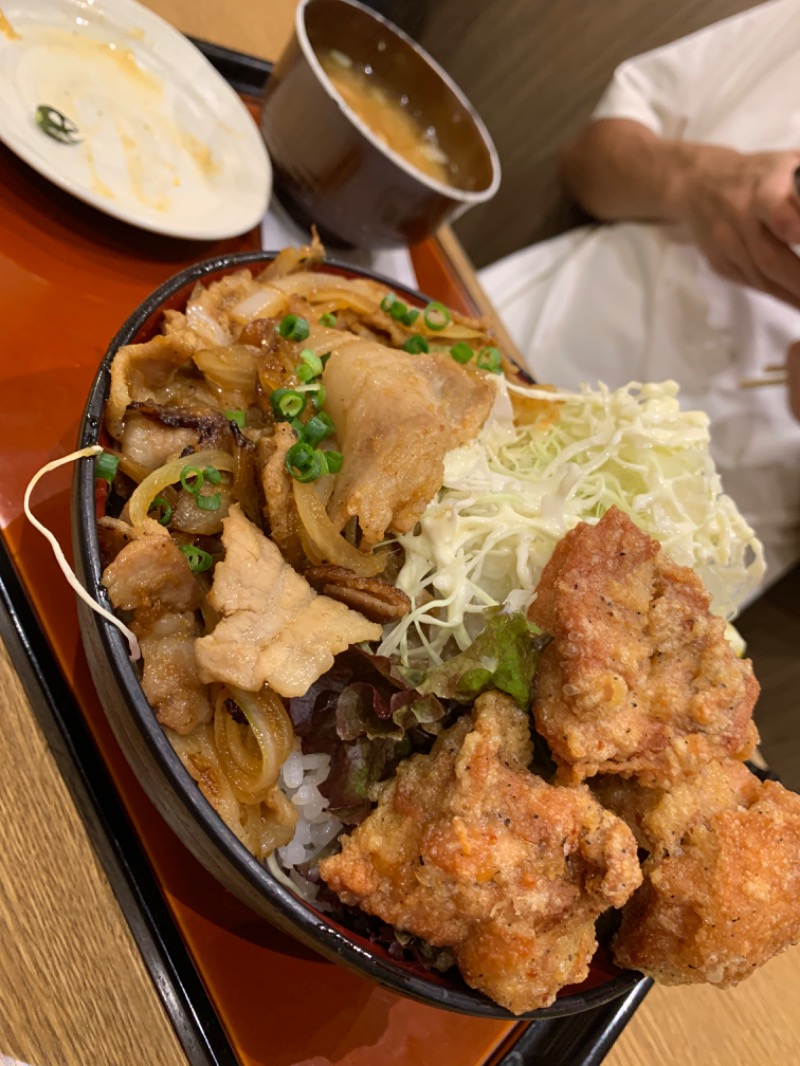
(73, 987)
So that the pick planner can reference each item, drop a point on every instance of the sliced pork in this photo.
(274, 628)
(397, 416)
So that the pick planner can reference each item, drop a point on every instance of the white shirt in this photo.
(638, 301)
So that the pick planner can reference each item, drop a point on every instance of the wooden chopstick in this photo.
(778, 378)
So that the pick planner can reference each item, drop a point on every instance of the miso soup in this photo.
(388, 116)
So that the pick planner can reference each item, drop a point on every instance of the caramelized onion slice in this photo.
(253, 768)
(265, 303)
(323, 541)
(261, 827)
(155, 483)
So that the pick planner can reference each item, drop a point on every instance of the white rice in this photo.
(300, 778)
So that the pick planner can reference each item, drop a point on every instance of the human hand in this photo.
(744, 213)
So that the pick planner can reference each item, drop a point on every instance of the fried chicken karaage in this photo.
(721, 894)
(469, 849)
(639, 677)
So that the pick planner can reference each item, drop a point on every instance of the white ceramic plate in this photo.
(165, 143)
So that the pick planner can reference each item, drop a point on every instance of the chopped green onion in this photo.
(328, 319)
(311, 366)
(317, 428)
(166, 511)
(56, 125)
(197, 559)
(287, 404)
(490, 359)
(293, 328)
(398, 310)
(333, 461)
(305, 463)
(311, 359)
(461, 352)
(318, 397)
(436, 316)
(236, 416)
(416, 344)
(192, 472)
(324, 358)
(105, 467)
(208, 503)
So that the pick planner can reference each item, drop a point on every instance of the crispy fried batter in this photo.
(722, 884)
(639, 678)
(660, 817)
(469, 849)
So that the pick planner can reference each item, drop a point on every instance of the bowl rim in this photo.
(467, 197)
(292, 914)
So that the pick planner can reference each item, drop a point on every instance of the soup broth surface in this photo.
(388, 116)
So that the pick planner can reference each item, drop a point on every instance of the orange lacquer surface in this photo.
(69, 277)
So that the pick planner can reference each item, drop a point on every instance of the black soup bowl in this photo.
(169, 785)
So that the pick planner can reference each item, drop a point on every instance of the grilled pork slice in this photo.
(146, 372)
(151, 577)
(273, 628)
(397, 416)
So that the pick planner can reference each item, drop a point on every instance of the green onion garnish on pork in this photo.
(310, 359)
(490, 359)
(399, 311)
(293, 328)
(160, 504)
(305, 463)
(461, 352)
(236, 416)
(193, 479)
(198, 559)
(317, 428)
(416, 344)
(208, 503)
(333, 461)
(105, 467)
(287, 404)
(436, 316)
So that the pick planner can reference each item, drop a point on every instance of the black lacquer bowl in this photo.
(171, 788)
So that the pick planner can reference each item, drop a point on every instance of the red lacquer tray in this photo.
(69, 277)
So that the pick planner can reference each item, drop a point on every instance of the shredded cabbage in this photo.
(511, 495)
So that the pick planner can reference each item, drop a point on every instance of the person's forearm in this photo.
(742, 209)
(619, 169)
